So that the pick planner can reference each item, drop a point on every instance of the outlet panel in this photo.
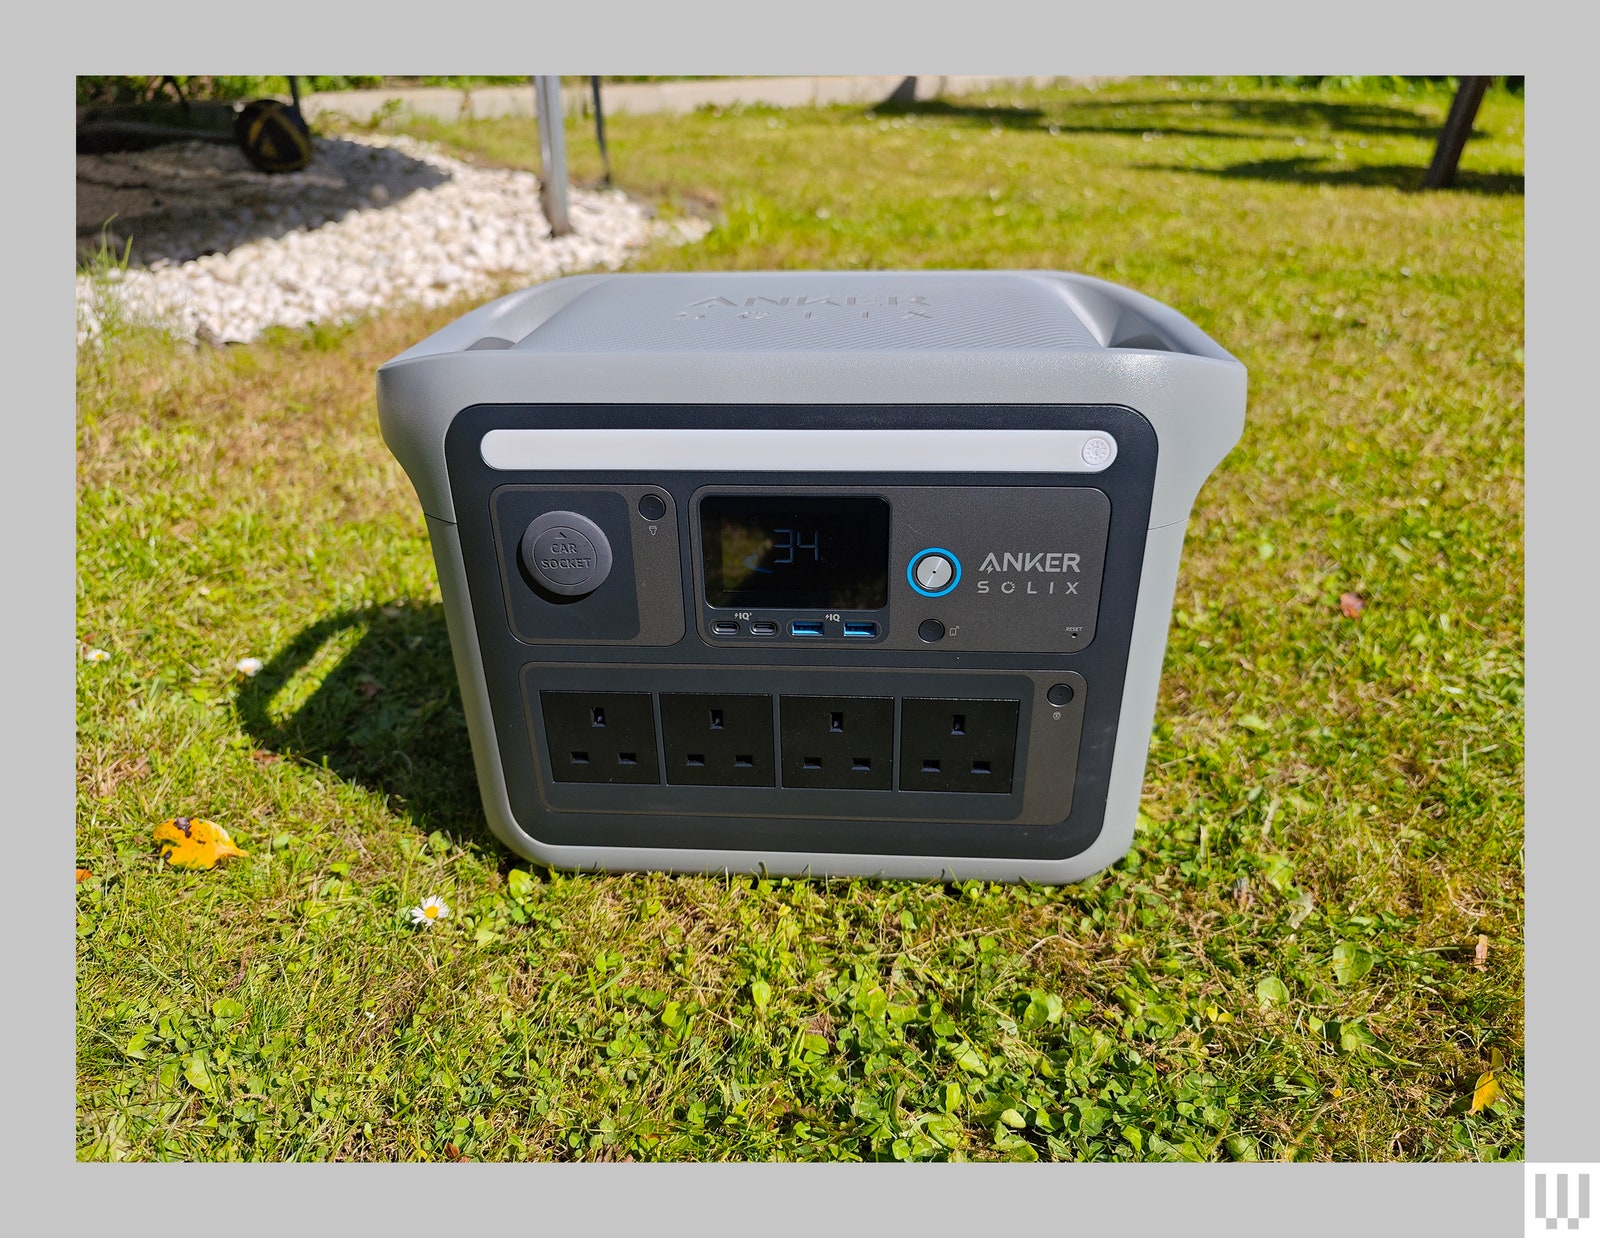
(832, 746)
(836, 802)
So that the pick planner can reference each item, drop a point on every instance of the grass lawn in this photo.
(1288, 963)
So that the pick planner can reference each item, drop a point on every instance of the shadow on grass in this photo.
(977, 114)
(1313, 170)
(1067, 121)
(180, 200)
(385, 716)
(1268, 119)
(1283, 117)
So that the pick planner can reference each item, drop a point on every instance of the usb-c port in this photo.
(725, 627)
(805, 627)
(868, 630)
(763, 627)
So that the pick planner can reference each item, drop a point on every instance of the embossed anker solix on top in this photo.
(860, 311)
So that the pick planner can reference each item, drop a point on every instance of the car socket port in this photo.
(839, 742)
(717, 740)
(600, 736)
(956, 745)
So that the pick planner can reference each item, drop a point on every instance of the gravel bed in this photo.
(222, 252)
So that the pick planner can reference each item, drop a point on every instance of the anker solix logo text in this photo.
(1043, 562)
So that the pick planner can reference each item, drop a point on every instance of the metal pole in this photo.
(600, 131)
(552, 154)
(1457, 129)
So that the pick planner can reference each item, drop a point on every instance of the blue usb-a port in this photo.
(868, 630)
(805, 627)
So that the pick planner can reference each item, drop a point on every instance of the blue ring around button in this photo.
(911, 571)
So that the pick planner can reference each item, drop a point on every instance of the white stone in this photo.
(350, 242)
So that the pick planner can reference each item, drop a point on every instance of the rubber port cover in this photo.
(567, 553)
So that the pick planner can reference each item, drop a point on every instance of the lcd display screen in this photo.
(786, 552)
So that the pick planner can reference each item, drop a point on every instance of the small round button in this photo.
(931, 630)
(1059, 694)
(566, 553)
(1096, 451)
(934, 572)
(652, 507)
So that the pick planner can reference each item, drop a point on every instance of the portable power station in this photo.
(855, 574)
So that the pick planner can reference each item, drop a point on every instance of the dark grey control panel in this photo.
(831, 662)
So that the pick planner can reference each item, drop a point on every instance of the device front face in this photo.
(883, 630)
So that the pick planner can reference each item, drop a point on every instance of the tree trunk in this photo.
(1457, 129)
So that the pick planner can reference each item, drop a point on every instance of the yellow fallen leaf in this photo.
(188, 842)
(1488, 1088)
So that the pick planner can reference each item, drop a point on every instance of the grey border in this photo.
(1230, 36)
(1563, 668)
(40, 494)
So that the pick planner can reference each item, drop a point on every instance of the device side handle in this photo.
(502, 322)
(414, 405)
(1122, 318)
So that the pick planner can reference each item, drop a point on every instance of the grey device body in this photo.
(854, 574)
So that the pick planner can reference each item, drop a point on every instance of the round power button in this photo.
(566, 553)
(933, 572)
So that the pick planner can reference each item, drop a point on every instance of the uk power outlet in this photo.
(713, 740)
(958, 745)
(607, 737)
(838, 742)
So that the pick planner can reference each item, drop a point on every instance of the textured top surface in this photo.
(864, 311)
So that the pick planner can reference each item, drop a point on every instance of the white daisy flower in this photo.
(432, 908)
(249, 666)
(97, 655)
